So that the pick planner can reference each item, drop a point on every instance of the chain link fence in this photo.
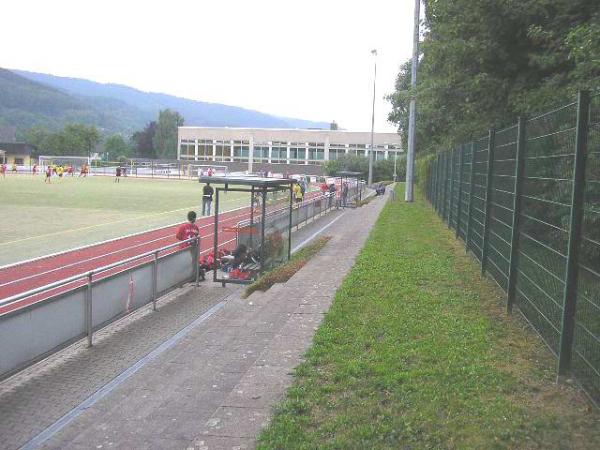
(526, 202)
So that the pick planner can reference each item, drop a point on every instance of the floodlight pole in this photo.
(410, 160)
(370, 178)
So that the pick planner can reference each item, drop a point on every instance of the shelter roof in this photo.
(248, 181)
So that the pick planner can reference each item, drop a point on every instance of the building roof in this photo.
(347, 173)
(17, 148)
(286, 134)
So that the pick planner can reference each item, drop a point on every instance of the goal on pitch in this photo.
(75, 161)
(197, 170)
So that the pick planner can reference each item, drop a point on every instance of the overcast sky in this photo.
(306, 59)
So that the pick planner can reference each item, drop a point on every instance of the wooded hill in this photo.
(30, 99)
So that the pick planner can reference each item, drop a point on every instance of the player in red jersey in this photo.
(3, 170)
(187, 231)
(34, 169)
(84, 171)
(48, 174)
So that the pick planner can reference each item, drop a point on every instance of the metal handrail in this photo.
(90, 273)
(17, 297)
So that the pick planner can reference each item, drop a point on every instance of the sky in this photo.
(305, 59)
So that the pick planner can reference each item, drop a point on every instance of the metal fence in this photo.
(44, 320)
(526, 202)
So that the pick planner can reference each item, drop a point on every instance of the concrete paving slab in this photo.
(214, 389)
(236, 422)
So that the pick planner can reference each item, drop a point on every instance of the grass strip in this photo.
(417, 352)
(283, 273)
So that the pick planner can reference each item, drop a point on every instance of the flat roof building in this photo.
(279, 146)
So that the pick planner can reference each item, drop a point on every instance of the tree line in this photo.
(157, 140)
(483, 63)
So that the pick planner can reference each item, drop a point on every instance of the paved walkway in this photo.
(202, 373)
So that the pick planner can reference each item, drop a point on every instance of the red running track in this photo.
(40, 272)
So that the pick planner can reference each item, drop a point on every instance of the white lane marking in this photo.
(72, 230)
(56, 269)
(314, 235)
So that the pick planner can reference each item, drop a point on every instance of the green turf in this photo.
(39, 218)
(416, 352)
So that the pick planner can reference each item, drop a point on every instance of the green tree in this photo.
(383, 170)
(74, 139)
(117, 147)
(38, 136)
(165, 137)
(143, 141)
(79, 139)
(485, 62)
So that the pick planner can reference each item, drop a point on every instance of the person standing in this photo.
(332, 190)
(118, 174)
(298, 196)
(187, 231)
(344, 194)
(48, 174)
(207, 196)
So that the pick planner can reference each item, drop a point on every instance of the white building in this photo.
(280, 146)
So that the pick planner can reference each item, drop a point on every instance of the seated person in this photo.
(237, 257)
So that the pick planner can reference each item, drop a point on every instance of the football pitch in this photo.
(38, 218)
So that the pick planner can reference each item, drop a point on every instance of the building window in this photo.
(336, 151)
(223, 151)
(186, 151)
(279, 152)
(297, 152)
(316, 151)
(205, 149)
(261, 153)
(241, 150)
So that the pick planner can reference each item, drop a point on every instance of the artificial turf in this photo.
(39, 218)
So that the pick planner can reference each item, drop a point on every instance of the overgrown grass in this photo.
(283, 273)
(417, 352)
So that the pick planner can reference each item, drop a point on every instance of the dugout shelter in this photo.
(266, 235)
(355, 187)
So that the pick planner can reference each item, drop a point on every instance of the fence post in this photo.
(576, 222)
(444, 171)
(196, 261)
(437, 182)
(441, 195)
(516, 223)
(434, 174)
(154, 280)
(89, 324)
(461, 160)
(488, 203)
(451, 181)
(470, 207)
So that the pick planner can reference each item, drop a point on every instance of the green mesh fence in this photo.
(501, 201)
(536, 157)
(544, 234)
(586, 342)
